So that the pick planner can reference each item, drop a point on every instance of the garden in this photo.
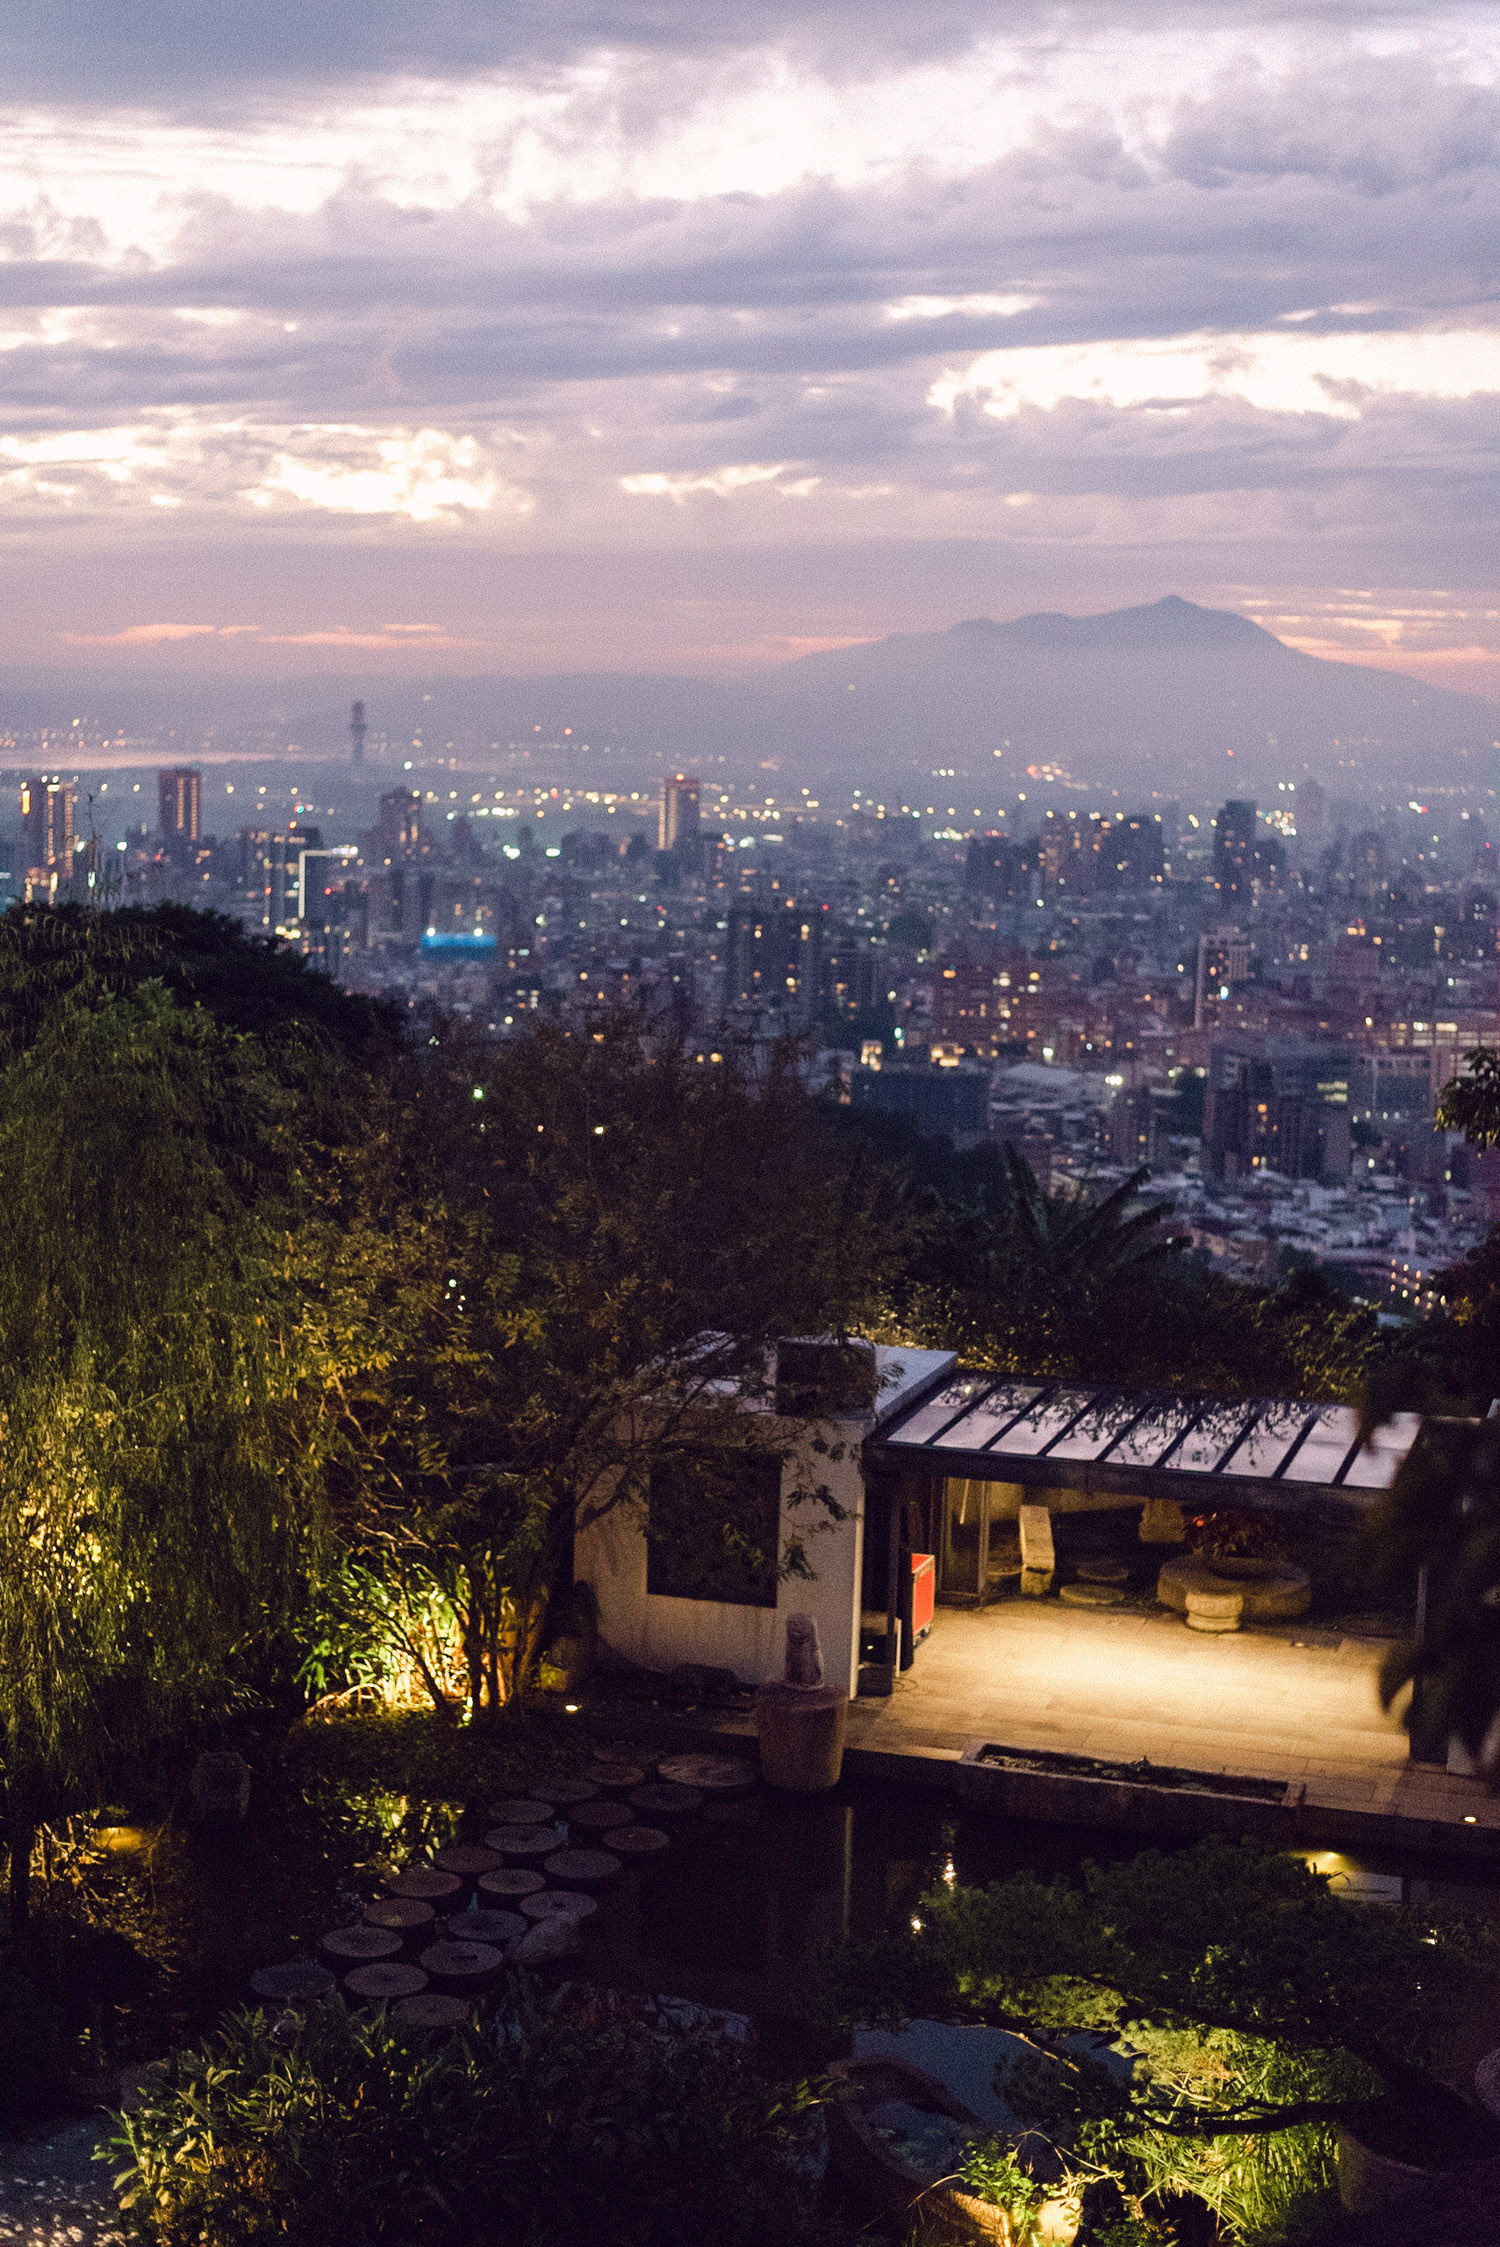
(318, 1340)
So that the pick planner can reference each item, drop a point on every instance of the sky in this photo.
(439, 334)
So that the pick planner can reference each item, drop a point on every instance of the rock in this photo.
(546, 1944)
(1091, 1595)
(715, 1774)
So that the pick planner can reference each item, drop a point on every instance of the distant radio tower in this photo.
(357, 732)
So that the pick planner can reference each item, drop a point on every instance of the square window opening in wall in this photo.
(714, 1527)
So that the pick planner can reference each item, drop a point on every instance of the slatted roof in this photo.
(1078, 1433)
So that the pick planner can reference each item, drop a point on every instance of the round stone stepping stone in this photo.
(528, 1845)
(1215, 1612)
(635, 1842)
(558, 1903)
(582, 1868)
(522, 1810)
(461, 1967)
(383, 1984)
(403, 1915)
(666, 1798)
(486, 1926)
(359, 1946)
(1091, 1595)
(509, 1886)
(711, 1774)
(463, 1858)
(298, 1978)
(1103, 1572)
(425, 1884)
(432, 2011)
(563, 1793)
(617, 1778)
(597, 1817)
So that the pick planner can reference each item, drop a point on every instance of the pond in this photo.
(732, 1915)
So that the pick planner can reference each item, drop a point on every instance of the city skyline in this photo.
(695, 341)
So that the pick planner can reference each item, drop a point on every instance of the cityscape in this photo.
(1257, 1002)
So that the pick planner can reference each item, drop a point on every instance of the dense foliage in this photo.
(1098, 1287)
(571, 2119)
(1197, 2021)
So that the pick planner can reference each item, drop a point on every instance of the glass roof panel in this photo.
(1105, 1419)
(986, 1419)
(1042, 1423)
(1203, 1448)
(1376, 1463)
(1268, 1442)
(1328, 1444)
(939, 1410)
(1159, 1425)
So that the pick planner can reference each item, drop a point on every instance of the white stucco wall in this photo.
(658, 1632)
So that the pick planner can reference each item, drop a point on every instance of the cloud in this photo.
(482, 280)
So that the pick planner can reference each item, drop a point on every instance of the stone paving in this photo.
(1034, 1674)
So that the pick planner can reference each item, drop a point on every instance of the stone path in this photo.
(52, 2191)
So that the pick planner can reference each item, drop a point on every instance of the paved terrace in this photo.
(1255, 1703)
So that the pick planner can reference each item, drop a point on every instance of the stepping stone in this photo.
(509, 1886)
(666, 1798)
(598, 1817)
(425, 1884)
(463, 1858)
(462, 1967)
(380, 1985)
(522, 1810)
(637, 1842)
(494, 1927)
(582, 1868)
(617, 1778)
(402, 1915)
(432, 2011)
(358, 1946)
(527, 1845)
(1091, 1595)
(558, 1903)
(563, 1793)
(299, 1978)
(713, 1774)
(1103, 1572)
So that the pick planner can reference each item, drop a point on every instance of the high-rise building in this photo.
(677, 819)
(1234, 849)
(47, 823)
(357, 734)
(179, 806)
(400, 824)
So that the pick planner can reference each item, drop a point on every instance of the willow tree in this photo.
(578, 1253)
(159, 1422)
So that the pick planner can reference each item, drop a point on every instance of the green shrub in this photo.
(575, 2119)
(417, 1752)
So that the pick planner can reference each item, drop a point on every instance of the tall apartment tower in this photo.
(678, 816)
(400, 829)
(1234, 849)
(357, 734)
(47, 822)
(179, 805)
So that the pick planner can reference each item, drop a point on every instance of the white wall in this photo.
(658, 1633)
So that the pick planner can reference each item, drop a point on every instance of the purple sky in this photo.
(425, 333)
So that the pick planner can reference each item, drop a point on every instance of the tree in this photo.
(578, 1252)
(158, 1423)
(250, 984)
(1101, 1288)
(1260, 2009)
(1470, 1102)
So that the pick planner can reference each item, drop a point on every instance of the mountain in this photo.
(1169, 697)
